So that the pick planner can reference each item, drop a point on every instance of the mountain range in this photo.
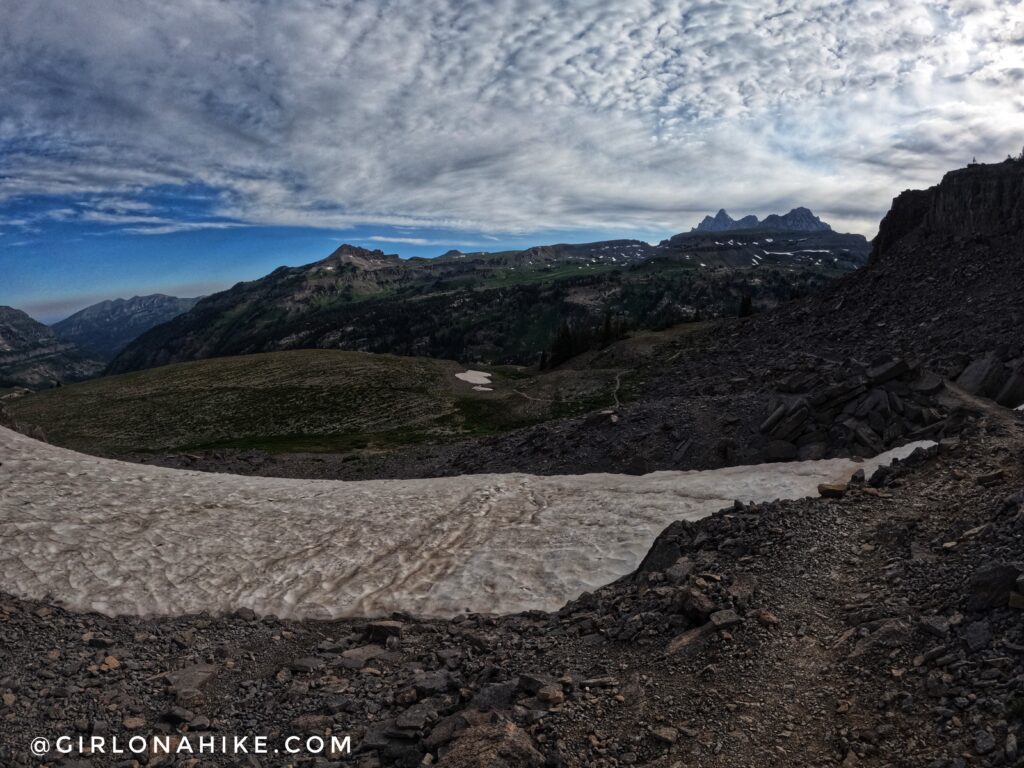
(797, 220)
(104, 329)
(544, 303)
(36, 356)
(509, 307)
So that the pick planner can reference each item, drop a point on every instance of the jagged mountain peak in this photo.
(797, 220)
(720, 222)
(361, 257)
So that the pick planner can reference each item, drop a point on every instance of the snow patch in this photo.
(474, 377)
(119, 538)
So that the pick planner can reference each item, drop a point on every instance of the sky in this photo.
(180, 147)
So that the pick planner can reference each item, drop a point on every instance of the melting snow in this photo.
(119, 538)
(474, 377)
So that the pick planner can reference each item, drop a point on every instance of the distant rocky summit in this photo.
(32, 356)
(798, 236)
(797, 220)
(723, 222)
(104, 329)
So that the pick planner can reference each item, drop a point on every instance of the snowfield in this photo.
(119, 538)
(474, 377)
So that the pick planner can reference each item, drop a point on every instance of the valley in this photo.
(102, 330)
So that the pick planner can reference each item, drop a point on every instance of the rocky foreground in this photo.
(878, 626)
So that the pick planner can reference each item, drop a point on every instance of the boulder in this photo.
(991, 585)
(780, 450)
(928, 383)
(1012, 393)
(884, 372)
(666, 734)
(774, 418)
(356, 658)
(690, 641)
(813, 451)
(681, 570)
(792, 425)
(867, 437)
(985, 376)
(497, 745)
(380, 631)
(832, 490)
(724, 619)
(186, 683)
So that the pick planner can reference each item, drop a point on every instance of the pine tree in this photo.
(564, 345)
(606, 330)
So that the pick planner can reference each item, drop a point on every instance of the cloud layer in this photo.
(502, 115)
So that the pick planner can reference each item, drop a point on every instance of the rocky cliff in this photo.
(980, 201)
(32, 356)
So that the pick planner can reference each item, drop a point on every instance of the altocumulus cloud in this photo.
(502, 115)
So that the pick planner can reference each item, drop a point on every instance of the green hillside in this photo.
(303, 400)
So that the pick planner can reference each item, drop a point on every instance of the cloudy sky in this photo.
(182, 146)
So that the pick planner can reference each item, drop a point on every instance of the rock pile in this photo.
(833, 411)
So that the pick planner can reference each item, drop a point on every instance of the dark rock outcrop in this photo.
(977, 201)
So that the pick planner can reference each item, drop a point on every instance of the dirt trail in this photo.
(828, 685)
